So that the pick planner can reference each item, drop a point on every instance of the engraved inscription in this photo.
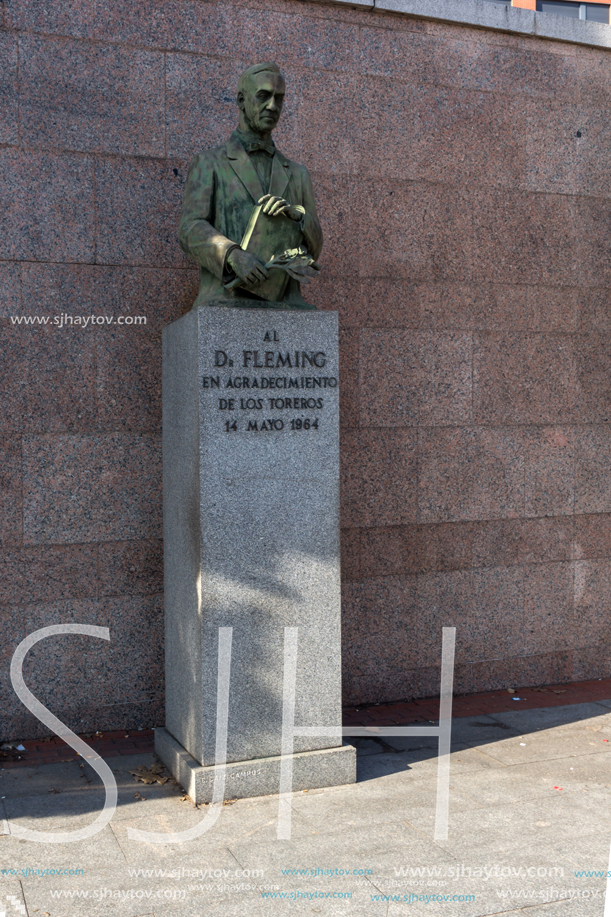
(297, 403)
(274, 359)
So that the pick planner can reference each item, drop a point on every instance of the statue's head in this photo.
(261, 91)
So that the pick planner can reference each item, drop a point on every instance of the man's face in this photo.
(262, 102)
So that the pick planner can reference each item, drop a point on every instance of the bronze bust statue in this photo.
(248, 215)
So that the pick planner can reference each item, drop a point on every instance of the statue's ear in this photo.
(240, 99)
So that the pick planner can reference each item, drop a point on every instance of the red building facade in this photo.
(461, 173)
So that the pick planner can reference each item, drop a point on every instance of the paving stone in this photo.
(605, 703)
(474, 730)
(548, 717)
(52, 812)
(329, 812)
(236, 823)
(543, 745)
(234, 907)
(33, 781)
(572, 908)
(532, 821)
(100, 852)
(591, 853)
(369, 847)
(330, 908)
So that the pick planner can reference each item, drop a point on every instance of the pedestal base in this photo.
(259, 777)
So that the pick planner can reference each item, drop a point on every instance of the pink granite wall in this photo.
(465, 193)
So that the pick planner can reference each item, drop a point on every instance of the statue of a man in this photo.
(224, 185)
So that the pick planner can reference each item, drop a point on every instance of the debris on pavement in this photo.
(150, 775)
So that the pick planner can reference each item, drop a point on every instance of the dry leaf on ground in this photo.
(149, 775)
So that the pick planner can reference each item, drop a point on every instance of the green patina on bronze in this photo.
(225, 184)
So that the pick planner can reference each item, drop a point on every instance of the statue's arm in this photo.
(310, 226)
(198, 237)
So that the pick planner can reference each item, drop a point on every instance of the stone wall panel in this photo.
(592, 536)
(594, 221)
(49, 383)
(91, 488)
(524, 379)
(549, 470)
(128, 380)
(46, 573)
(379, 476)
(71, 18)
(46, 207)
(68, 672)
(10, 289)
(455, 59)
(196, 120)
(434, 244)
(409, 378)
(526, 238)
(185, 25)
(130, 568)
(267, 34)
(11, 491)
(91, 97)
(109, 293)
(138, 209)
(9, 97)
(470, 473)
(592, 461)
(349, 377)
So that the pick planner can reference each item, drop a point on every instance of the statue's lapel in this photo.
(239, 161)
(280, 175)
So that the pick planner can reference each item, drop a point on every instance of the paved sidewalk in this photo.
(530, 794)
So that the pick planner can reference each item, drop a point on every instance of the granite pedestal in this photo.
(251, 534)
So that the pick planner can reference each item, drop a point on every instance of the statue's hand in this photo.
(274, 206)
(246, 266)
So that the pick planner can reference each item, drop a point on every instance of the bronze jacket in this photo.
(221, 189)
